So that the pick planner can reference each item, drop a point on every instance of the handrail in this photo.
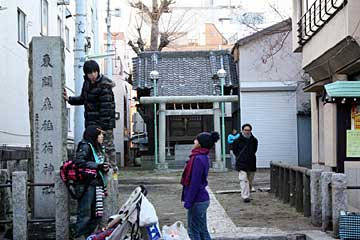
(291, 184)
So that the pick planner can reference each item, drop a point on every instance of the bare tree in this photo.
(271, 48)
(139, 46)
(172, 29)
(154, 15)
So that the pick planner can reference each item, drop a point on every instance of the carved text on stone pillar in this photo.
(46, 61)
(46, 105)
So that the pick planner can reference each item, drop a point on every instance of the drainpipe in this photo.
(108, 41)
(79, 59)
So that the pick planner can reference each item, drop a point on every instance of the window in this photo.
(67, 38)
(21, 27)
(59, 27)
(44, 17)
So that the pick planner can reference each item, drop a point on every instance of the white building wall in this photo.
(266, 59)
(260, 68)
(261, 64)
(14, 125)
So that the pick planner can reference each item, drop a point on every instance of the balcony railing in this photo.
(317, 15)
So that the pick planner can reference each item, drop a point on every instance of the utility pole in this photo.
(108, 35)
(96, 27)
(79, 59)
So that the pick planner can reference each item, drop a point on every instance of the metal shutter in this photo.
(273, 117)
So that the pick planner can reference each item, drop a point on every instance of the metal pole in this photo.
(79, 59)
(217, 129)
(162, 137)
(155, 125)
(96, 27)
(223, 122)
(108, 41)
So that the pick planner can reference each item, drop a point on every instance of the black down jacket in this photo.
(99, 102)
(245, 150)
(85, 159)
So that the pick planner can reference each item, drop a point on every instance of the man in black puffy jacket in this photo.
(99, 103)
(245, 148)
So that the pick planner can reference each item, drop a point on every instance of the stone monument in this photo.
(48, 119)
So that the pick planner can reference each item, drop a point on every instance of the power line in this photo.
(14, 134)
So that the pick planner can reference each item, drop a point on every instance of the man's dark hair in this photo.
(246, 125)
(90, 67)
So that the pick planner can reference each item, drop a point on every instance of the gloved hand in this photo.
(104, 167)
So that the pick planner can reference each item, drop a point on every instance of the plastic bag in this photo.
(176, 231)
(153, 232)
(147, 213)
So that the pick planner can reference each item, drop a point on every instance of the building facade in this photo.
(23, 20)
(329, 42)
(271, 96)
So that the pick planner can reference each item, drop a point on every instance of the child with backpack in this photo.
(194, 181)
(90, 154)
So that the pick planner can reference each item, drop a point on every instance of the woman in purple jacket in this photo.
(194, 181)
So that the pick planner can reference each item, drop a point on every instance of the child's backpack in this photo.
(73, 175)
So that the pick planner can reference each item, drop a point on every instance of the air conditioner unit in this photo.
(63, 2)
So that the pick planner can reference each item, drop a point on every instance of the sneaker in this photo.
(246, 200)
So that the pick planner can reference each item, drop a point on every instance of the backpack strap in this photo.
(97, 160)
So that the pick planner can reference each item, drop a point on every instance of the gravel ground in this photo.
(164, 191)
(263, 211)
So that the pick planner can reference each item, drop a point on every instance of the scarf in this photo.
(186, 176)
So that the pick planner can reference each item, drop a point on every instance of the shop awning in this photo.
(343, 89)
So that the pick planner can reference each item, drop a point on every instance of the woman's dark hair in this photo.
(246, 125)
(207, 140)
(91, 134)
(91, 66)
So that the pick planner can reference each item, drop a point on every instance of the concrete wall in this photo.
(15, 127)
(352, 171)
(258, 63)
(343, 24)
(122, 93)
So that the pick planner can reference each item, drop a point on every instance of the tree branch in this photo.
(132, 45)
(276, 11)
(142, 7)
(274, 49)
(164, 6)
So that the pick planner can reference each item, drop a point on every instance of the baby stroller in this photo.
(136, 220)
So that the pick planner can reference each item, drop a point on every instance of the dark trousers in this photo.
(197, 222)
(86, 221)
